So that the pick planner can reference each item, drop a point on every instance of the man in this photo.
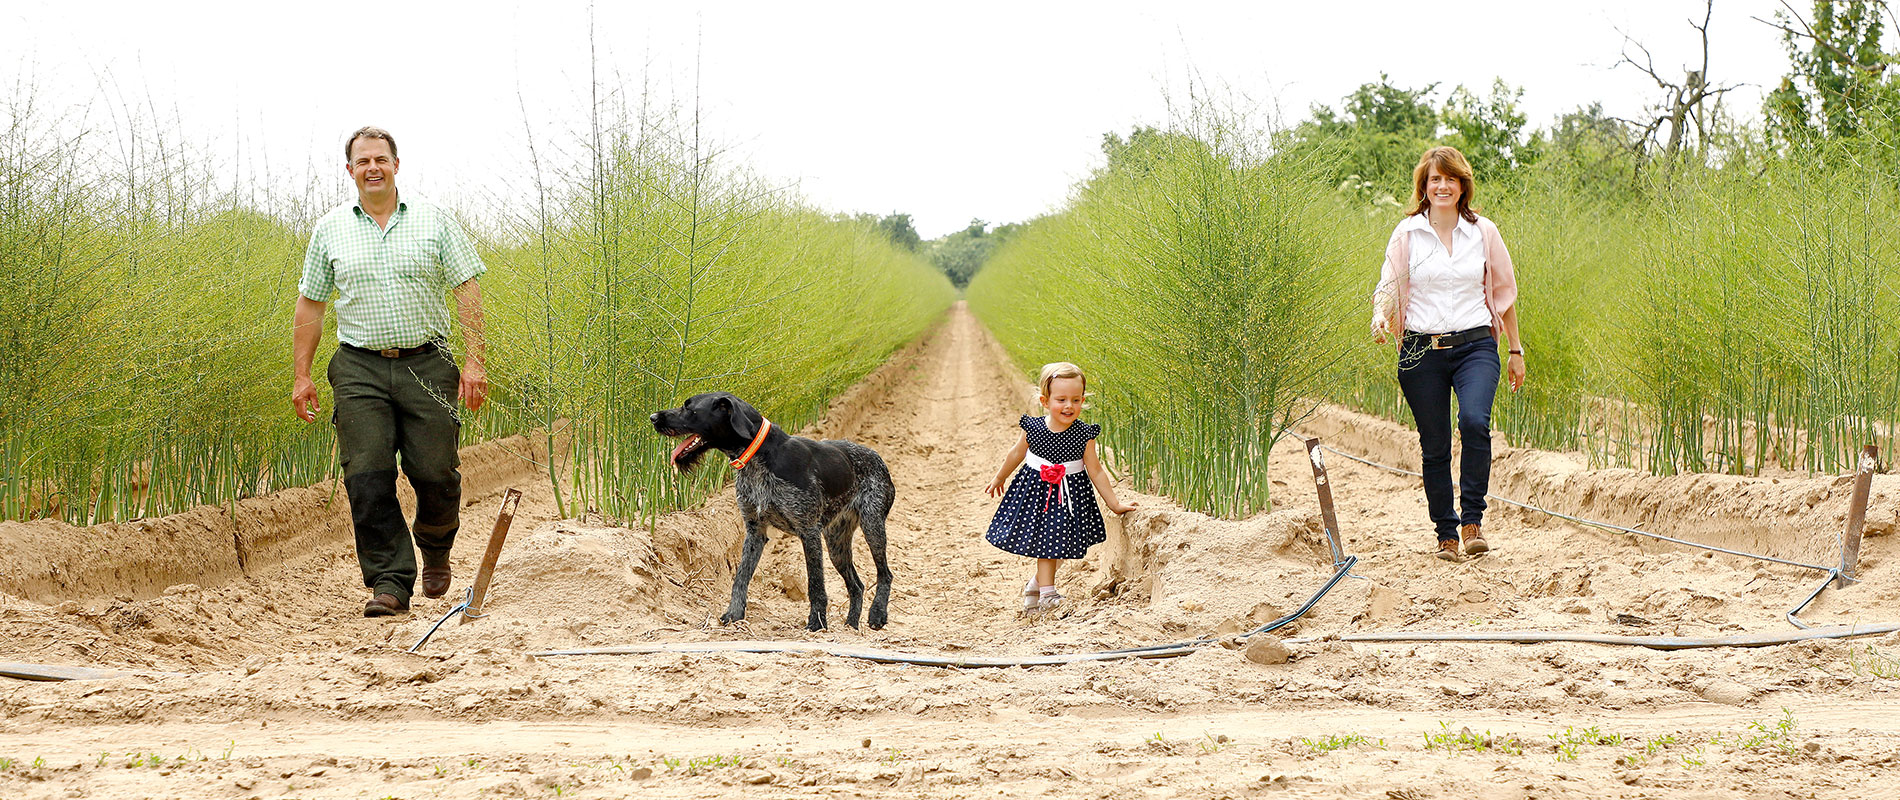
(389, 261)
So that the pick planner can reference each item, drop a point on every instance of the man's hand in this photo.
(303, 399)
(474, 388)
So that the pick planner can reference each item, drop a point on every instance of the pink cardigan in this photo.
(1390, 297)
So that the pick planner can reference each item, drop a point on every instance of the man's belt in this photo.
(1446, 341)
(394, 352)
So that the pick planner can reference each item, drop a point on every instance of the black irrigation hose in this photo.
(1796, 620)
(1169, 650)
(468, 598)
(1652, 642)
(1595, 523)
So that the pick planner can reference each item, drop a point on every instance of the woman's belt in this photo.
(1446, 341)
(1053, 473)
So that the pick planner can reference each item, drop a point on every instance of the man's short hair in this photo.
(367, 132)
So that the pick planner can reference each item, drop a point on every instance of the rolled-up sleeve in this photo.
(319, 273)
(460, 263)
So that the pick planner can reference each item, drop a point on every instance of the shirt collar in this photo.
(357, 205)
(1422, 222)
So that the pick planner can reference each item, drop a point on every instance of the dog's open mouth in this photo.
(687, 453)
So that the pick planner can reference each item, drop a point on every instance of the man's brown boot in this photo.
(1474, 540)
(435, 575)
(1448, 550)
(384, 605)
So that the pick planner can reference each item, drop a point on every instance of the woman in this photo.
(1447, 287)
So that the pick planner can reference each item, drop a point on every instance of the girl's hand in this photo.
(995, 488)
(1123, 507)
(1514, 369)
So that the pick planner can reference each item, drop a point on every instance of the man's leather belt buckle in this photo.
(396, 352)
(1436, 344)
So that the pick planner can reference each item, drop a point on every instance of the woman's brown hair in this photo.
(1450, 163)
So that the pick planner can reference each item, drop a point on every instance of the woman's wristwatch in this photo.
(1517, 352)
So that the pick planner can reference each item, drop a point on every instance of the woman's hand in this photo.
(1514, 369)
(1381, 328)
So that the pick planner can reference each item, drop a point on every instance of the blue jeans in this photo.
(1429, 378)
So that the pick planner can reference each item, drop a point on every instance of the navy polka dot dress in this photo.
(1023, 525)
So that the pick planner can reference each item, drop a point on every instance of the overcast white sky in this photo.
(947, 111)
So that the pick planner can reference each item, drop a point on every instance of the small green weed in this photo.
(1327, 744)
(1778, 735)
(1694, 758)
(1868, 661)
(1464, 739)
(6, 764)
(705, 763)
(892, 755)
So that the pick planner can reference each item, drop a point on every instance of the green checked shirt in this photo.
(389, 284)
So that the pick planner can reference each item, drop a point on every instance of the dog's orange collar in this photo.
(765, 426)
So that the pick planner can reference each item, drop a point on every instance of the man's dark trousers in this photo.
(383, 407)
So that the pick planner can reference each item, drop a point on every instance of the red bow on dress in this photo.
(1052, 474)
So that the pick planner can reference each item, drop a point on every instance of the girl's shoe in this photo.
(1049, 601)
(1032, 597)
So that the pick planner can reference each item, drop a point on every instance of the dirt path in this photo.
(290, 695)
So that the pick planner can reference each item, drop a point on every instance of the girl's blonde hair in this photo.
(1061, 369)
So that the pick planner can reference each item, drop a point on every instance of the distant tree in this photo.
(1375, 137)
(1490, 131)
(895, 226)
(1592, 152)
(1689, 109)
(962, 253)
(1839, 83)
(1134, 155)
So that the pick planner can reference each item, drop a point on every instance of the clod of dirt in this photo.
(1726, 692)
(1268, 650)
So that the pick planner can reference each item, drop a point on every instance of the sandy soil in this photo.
(286, 692)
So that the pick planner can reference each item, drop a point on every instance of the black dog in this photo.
(812, 489)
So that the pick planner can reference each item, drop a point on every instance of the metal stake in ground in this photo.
(1857, 515)
(482, 576)
(471, 605)
(1325, 500)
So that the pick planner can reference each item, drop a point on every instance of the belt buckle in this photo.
(1435, 345)
(390, 352)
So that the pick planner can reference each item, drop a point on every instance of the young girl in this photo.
(1048, 512)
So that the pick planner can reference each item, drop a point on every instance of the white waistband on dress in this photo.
(1061, 487)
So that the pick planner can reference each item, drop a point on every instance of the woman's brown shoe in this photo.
(1448, 550)
(1474, 540)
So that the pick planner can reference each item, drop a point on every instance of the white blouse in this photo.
(1447, 287)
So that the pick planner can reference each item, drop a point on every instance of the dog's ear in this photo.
(742, 416)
